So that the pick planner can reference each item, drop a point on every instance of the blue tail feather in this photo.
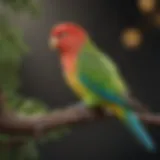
(131, 119)
(140, 132)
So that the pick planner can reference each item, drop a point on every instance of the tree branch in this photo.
(14, 124)
(149, 118)
(19, 125)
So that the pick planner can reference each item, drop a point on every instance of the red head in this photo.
(67, 37)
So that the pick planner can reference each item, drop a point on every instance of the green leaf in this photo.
(4, 153)
(55, 135)
(32, 107)
(4, 137)
(22, 6)
(29, 151)
(12, 48)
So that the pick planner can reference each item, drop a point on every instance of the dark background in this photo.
(104, 20)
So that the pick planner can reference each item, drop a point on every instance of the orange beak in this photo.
(53, 42)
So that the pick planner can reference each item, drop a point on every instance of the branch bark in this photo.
(14, 124)
(19, 125)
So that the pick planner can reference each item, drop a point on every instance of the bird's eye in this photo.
(62, 35)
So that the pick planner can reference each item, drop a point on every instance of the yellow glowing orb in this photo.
(131, 38)
(146, 6)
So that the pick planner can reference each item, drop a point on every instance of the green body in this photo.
(105, 86)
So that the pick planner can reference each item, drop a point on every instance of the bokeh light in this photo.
(146, 6)
(156, 19)
(131, 37)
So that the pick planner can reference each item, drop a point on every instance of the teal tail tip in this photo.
(151, 148)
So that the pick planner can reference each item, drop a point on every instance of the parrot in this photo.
(95, 78)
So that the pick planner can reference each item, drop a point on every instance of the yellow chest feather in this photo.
(76, 85)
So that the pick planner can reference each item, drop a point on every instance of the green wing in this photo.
(100, 72)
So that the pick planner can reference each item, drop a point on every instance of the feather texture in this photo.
(95, 78)
(100, 75)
